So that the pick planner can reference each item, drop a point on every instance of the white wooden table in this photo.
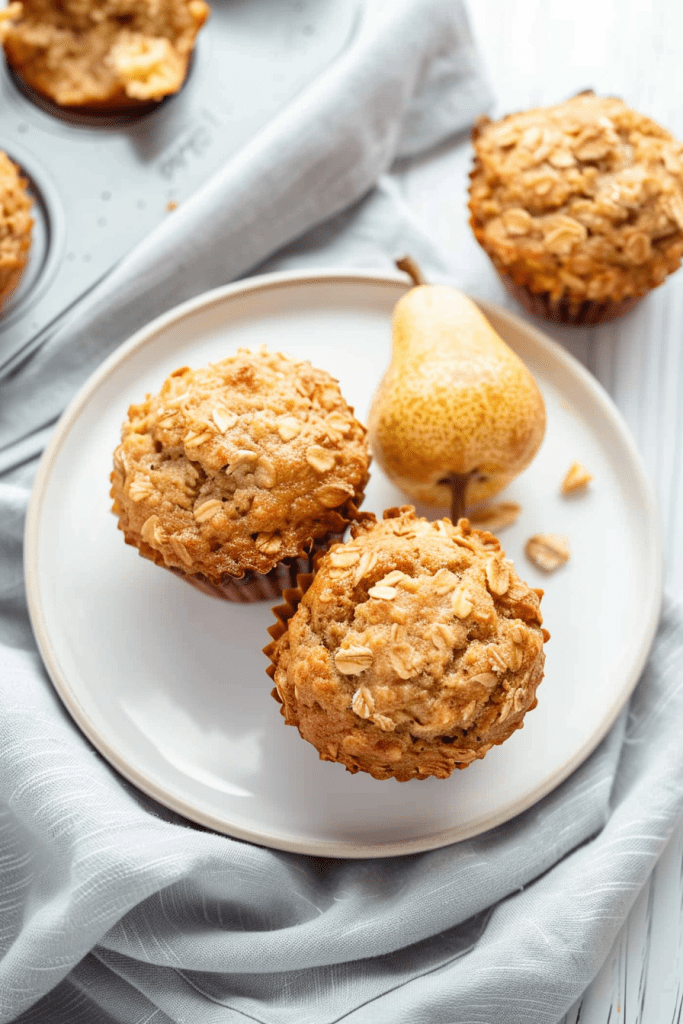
(538, 52)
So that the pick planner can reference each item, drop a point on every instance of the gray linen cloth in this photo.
(114, 910)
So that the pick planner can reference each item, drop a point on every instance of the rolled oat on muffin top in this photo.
(238, 465)
(581, 201)
(15, 226)
(414, 650)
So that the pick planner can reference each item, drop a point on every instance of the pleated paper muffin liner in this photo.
(283, 613)
(253, 586)
(574, 313)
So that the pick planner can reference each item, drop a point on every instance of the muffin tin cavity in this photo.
(110, 117)
(47, 239)
(114, 176)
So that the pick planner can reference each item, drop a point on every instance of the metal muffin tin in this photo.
(102, 183)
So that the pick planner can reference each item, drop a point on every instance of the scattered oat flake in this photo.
(548, 551)
(496, 517)
(576, 479)
(171, 205)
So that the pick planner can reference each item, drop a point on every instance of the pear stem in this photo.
(458, 484)
(410, 267)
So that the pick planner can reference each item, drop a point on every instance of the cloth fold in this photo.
(187, 921)
(113, 909)
(408, 80)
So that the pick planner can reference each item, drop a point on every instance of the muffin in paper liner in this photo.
(579, 206)
(15, 227)
(411, 650)
(563, 310)
(234, 475)
(103, 57)
(252, 586)
(291, 599)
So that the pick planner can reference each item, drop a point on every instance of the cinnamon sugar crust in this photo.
(414, 650)
(81, 53)
(239, 465)
(582, 200)
(15, 227)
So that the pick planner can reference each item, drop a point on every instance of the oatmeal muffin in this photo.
(102, 54)
(414, 649)
(234, 472)
(15, 227)
(579, 206)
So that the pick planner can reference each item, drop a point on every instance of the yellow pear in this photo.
(457, 414)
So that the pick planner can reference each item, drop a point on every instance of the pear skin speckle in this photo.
(455, 399)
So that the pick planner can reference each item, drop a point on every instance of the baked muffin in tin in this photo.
(15, 227)
(104, 55)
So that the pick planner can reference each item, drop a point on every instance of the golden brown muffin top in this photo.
(583, 199)
(15, 226)
(86, 53)
(415, 649)
(238, 465)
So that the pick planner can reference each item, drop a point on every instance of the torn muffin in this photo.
(104, 55)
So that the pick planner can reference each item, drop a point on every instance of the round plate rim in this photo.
(274, 840)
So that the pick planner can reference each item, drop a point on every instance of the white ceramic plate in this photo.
(170, 684)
